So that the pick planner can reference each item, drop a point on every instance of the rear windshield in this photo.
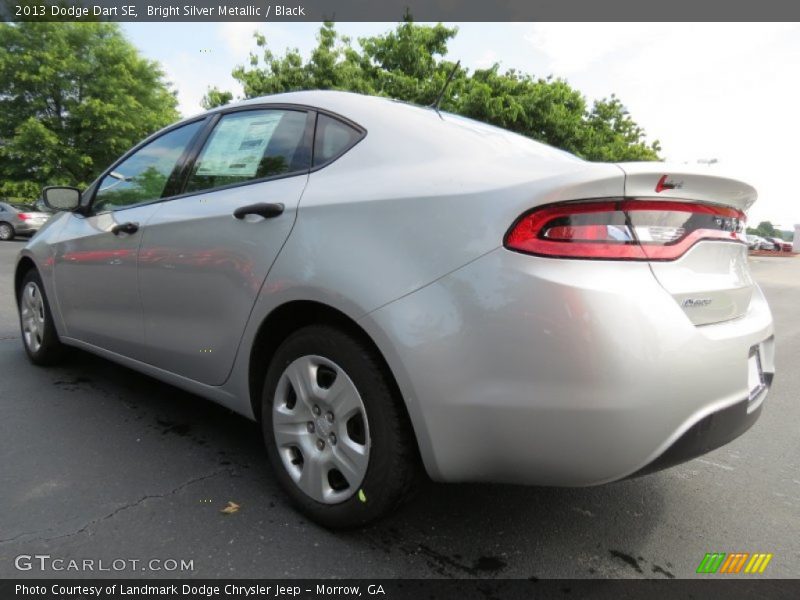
(522, 142)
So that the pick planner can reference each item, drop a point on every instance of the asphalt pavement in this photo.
(101, 463)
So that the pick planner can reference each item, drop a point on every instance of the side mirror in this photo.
(61, 197)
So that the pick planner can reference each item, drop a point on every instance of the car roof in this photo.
(332, 100)
(386, 119)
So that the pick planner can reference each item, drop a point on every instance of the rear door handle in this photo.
(266, 210)
(125, 228)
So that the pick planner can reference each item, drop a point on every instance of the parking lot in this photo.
(99, 462)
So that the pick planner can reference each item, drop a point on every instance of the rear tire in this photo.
(6, 232)
(337, 435)
(39, 336)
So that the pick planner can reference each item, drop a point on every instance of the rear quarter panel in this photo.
(419, 197)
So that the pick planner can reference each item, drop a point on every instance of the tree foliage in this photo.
(408, 63)
(764, 229)
(215, 97)
(73, 97)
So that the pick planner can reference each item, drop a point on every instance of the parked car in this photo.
(780, 245)
(20, 219)
(753, 242)
(383, 286)
(756, 242)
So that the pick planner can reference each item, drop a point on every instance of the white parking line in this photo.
(713, 464)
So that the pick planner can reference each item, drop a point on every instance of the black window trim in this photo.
(179, 177)
(353, 125)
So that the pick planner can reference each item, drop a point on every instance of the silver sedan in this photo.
(393, 291)
(20, 219)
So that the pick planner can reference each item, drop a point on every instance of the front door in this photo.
(96, 254)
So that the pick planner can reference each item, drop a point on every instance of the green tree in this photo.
(408, 64)
(73, 97)
(764, 229)
(214, 98)
(613, 135)
(19, 190)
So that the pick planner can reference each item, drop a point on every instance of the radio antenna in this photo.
(435, 105)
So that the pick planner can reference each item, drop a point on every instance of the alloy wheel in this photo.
(33, 319)
(321, 430)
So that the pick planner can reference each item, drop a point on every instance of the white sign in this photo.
(237, 146)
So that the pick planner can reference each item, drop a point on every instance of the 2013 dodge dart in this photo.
(390, 290)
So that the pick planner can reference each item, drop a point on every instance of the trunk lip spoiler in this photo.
(690, 183)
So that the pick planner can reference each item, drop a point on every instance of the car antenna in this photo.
(435, 105)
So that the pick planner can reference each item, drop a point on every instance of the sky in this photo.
(724, 91)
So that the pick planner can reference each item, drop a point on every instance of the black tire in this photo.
(6, 232)
(393, 469)
(50, 350)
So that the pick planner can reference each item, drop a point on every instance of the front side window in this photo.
(332, 138)
(251, 145)
(143, 176)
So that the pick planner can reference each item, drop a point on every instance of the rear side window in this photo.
(332, 139)
(251, 145)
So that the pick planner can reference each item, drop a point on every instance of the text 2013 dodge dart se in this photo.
(388, 290)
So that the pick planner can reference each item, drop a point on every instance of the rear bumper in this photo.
(530, 370)
(710, 433)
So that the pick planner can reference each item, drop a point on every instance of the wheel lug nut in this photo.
(332, 439)
(320, 445)
(316, 410)
(329, 416)
(310, 427)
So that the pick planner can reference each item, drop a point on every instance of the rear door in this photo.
(205, 254)
(690, 225)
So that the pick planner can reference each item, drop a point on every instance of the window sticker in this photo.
(236, 148)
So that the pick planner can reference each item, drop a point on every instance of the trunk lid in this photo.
(711, 282)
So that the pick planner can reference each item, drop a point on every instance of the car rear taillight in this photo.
(623, 229)
(23, 216)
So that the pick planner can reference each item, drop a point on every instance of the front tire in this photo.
(337, 435)
(39, 336)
